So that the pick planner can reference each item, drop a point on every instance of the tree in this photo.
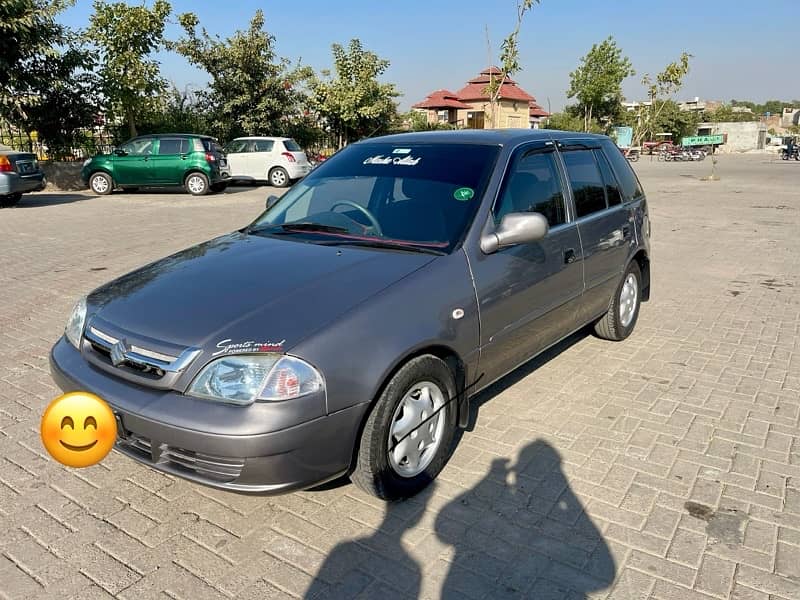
(666, 83)
(680, 123)
(726, 114)
(352, 101)
(597, 82)
(565, 121)
(125, 37)
(509, 60)
(29, 41)
(252, 91)
(176, 110)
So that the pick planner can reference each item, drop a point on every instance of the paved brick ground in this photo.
(664, 467)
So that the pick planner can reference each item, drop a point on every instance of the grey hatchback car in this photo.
(345, 329)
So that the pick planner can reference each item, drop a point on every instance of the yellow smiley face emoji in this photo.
(78, 429)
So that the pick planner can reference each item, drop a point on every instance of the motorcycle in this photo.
(787, 154)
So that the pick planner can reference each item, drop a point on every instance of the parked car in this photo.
(19, 173)
(346, 328)
(195, 162)
(277, 160)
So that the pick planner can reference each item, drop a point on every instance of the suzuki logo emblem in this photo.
(118, 351)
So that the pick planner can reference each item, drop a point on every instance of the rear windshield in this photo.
(417, 194)
(210, 145)
(292, 146)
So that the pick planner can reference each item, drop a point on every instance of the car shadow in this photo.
(519, 532)
(40, 199)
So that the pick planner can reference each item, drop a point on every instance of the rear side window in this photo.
(173, 146)
(631, 189)
(587, 185)
(264, 145)
(292, 146)
(612, 188)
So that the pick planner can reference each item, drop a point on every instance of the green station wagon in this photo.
(195, 162)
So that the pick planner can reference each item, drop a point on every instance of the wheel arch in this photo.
(643, 260)
(449, 357)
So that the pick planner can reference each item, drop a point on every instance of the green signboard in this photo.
(703, 140)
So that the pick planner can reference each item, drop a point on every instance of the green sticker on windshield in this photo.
(463, 194)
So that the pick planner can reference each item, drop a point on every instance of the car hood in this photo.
(245, 289)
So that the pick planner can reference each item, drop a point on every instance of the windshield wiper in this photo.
(378, 243)
(300, 226)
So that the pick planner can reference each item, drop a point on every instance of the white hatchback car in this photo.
(278, 160)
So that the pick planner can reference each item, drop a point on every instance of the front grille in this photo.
(218, 469)
(133, 362)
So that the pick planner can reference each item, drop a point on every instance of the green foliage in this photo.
(418, 121)
(175, 111)
(252, 91)
(125, 37)
(671, 119)
(565, 122)
(29, 40)
(666, 83)
(725, 114)
(351, 100)
(773, 107)
(509, 59)
(597, 82)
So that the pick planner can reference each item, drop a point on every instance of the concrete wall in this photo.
(509, 114)
(742, 137)
(64, 176)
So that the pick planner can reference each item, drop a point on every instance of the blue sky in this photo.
(740, 48)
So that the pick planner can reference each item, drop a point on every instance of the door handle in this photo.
(569, 256)
(626, 231)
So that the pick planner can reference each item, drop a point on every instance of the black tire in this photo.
(196, 184)
(10, 200)
(218, 187)
(610, 325)
(278, 177)
(101, 183)
(373, 472)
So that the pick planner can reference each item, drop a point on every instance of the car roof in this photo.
(175, 135)
(261, 137)
(500, 137)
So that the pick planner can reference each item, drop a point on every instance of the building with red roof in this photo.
(470, 106)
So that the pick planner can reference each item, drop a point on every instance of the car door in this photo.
(132, 162)
(170, 161)
(263, 157)
(604, 223)
(529, 294)
(237, 154)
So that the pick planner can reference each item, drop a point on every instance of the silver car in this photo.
(19, 173)
(346, 328)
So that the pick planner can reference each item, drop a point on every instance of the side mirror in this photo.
(120, 152)
(515, 228)
(271, 201)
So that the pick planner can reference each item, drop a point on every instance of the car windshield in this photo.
(413, 196)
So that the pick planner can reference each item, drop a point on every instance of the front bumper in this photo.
(274, 462)
(13, 183)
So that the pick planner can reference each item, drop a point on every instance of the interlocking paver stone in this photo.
(573, 483)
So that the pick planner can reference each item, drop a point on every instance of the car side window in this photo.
(629, 183)
(533, 185)
(264, 145)
(587, 185)
(173, 146)
(613, 194)
(237, 146)
(139, 147)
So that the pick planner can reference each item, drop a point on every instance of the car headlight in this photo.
(87, 161)
(74, 329)
(243, 379)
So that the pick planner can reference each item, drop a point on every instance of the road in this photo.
(663, 467)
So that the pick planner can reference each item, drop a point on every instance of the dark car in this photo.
(195, 162)
(19, 173)
(345, 329)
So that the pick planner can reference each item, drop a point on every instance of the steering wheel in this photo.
(370, 217)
